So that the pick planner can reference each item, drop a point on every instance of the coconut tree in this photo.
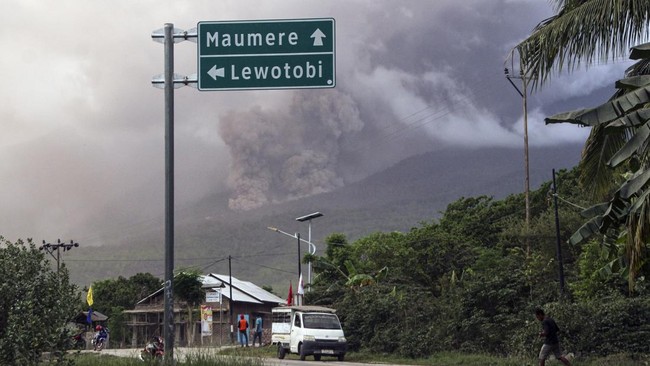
(583, 32)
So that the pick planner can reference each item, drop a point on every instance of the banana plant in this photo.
(623, 121)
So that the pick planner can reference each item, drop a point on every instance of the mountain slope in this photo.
(415, 190)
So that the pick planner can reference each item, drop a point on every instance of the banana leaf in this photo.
(606, 112)
(634, 145)
(586, 231)
(640, 51)
(595, 210)
(635, 185)
(633, 82)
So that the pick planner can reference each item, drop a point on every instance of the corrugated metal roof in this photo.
(244, 290)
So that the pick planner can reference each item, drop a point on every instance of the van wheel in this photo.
(316, 357)
(301, 351)
(281, 351)
(341, 357)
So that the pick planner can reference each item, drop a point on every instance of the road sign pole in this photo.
(168, 327)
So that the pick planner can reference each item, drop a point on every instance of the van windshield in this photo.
(321, 321)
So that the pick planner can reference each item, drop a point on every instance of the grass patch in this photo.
(197, 358)
(255, 356)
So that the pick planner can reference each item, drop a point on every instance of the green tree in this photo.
(113, 296)
(35, 306)
(187, 288)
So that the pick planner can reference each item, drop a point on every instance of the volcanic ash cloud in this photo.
(284, 154)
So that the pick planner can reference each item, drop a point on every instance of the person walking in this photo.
(551, 339)
(243, 328)
(257, 330)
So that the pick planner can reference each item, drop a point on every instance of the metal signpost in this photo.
(237, 55)
(267, 54)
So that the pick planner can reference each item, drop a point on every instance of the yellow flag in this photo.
(89, 296)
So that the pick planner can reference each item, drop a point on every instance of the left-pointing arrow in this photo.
(214, 72)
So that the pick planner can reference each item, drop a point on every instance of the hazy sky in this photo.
(82, 129)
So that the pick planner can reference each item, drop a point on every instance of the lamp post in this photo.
(50, 248)
(312, 247)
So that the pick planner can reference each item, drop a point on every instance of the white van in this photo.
(307, 331)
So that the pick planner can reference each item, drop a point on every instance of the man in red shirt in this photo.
(243, 327)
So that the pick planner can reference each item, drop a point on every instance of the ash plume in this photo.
(288, 153)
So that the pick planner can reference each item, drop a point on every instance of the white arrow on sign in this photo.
(318, 36)
(214, 72)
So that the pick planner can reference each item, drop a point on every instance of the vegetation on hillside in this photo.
(617, 148)
(467, 283)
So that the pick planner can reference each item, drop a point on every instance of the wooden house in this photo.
(237, 297)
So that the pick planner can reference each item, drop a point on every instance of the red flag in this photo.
(290, 297)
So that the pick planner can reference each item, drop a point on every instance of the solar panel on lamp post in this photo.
(312, 247)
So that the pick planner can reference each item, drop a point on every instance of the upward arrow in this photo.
(318, 36)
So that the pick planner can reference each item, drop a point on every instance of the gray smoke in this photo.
(288, 153)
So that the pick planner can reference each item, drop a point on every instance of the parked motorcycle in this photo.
(154, 350)
(78, 341)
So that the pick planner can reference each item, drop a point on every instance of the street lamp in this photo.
(312, 247)
(50, 248)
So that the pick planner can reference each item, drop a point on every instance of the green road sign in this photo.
(266, 54)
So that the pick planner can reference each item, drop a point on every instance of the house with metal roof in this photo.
(226, 298)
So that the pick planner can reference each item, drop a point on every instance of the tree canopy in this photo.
(36, 304)
(465, 283)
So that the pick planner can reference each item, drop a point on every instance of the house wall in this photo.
(146, 321)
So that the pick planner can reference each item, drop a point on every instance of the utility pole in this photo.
(230, 302)
(524, 96)
(50, 248)
(557, 236)
(299, 269)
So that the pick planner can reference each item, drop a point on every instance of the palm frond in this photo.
(595, 175)
(583, 32)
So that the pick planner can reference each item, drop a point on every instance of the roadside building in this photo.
(146, 319)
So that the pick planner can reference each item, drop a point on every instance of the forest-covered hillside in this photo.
(415, 190)
(471, 280)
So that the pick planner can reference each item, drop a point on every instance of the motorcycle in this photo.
(78, 341)
(98, 342)
(154, 350)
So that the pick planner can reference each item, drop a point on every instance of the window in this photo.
(281, 318)
(322, 321)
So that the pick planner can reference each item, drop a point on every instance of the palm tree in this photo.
(589, 31)
(583, 31)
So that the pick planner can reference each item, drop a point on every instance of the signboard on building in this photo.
(213, 296)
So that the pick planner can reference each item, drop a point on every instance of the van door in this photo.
(296, 332)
